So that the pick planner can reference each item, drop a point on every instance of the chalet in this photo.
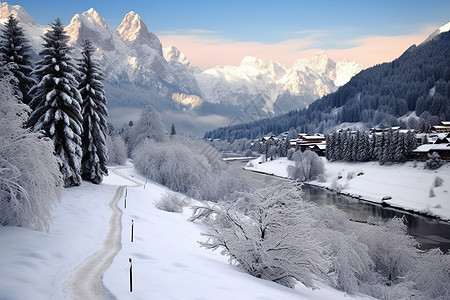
(266, 138)
(318, 138)
(442, 149)
(443, 127)
(319, 149)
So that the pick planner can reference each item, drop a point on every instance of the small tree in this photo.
(173, 130)
(15, 54)
(149, 126)
(56, 103)
(93, 162)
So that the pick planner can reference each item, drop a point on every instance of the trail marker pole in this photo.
(145, 183)
(132, 229)
(125, 202)
(131, 275)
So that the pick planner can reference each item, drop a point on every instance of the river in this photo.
(429, 232)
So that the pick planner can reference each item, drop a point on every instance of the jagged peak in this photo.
(89, 18)
(18, 12)
(172, 54)
(132, 27)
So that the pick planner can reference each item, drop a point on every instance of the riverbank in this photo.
(408, 186)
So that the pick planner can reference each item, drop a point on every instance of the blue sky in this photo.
(341, 28)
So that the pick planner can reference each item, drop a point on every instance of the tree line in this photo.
(386, 146)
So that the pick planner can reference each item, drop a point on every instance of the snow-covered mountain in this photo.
(140, 72)
(275, 87)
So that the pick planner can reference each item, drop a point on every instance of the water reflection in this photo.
(430, 233)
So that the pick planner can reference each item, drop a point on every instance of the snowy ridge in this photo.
(443, 28)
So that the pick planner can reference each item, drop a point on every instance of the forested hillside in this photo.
(418, 81)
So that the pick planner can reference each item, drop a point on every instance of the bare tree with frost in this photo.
(308, 166)
(268, 233)
(93, 162)
(56, 103)
(29, 187)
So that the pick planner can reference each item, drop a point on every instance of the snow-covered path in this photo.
(85, 281)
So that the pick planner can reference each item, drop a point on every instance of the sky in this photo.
(212, 33)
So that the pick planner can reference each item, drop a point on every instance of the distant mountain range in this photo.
(140, 72)
(412, 91)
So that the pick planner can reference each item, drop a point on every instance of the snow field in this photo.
(167, 260)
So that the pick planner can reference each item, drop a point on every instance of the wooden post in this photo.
(132, 229)
(131, 275)
(125, 202)
(145, 182)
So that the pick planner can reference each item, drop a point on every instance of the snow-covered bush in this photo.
(431, 275)
(171, 202)
(30, 180)
(308, 165)
(290, 152)
(350, 261)
(391, 249)
(188, 166)
(434, 161)
(173, 165)
(117, 150)
(438, 181)
(274, 239)
(431, 193)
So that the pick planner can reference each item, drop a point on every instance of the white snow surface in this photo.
(167, 262)
(408, 185)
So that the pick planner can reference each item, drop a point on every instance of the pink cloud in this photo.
(207, 51)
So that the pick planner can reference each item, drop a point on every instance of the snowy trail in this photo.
(86, 280)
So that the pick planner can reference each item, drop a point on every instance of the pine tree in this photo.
(330, 150)
(56, 103)
(173, 130)
(94, 112)
(15, 54)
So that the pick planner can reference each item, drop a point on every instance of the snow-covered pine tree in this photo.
(338, 146)
(15, 54)
(355, 145)
(173, 131)
(364, 147)
(56, 102)
(330, 150)
(94, 112)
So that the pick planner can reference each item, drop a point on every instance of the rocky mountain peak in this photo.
(133, 29)
(18, 12)
(90, 25)
(172, 54)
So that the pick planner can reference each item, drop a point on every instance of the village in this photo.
(435, 141)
